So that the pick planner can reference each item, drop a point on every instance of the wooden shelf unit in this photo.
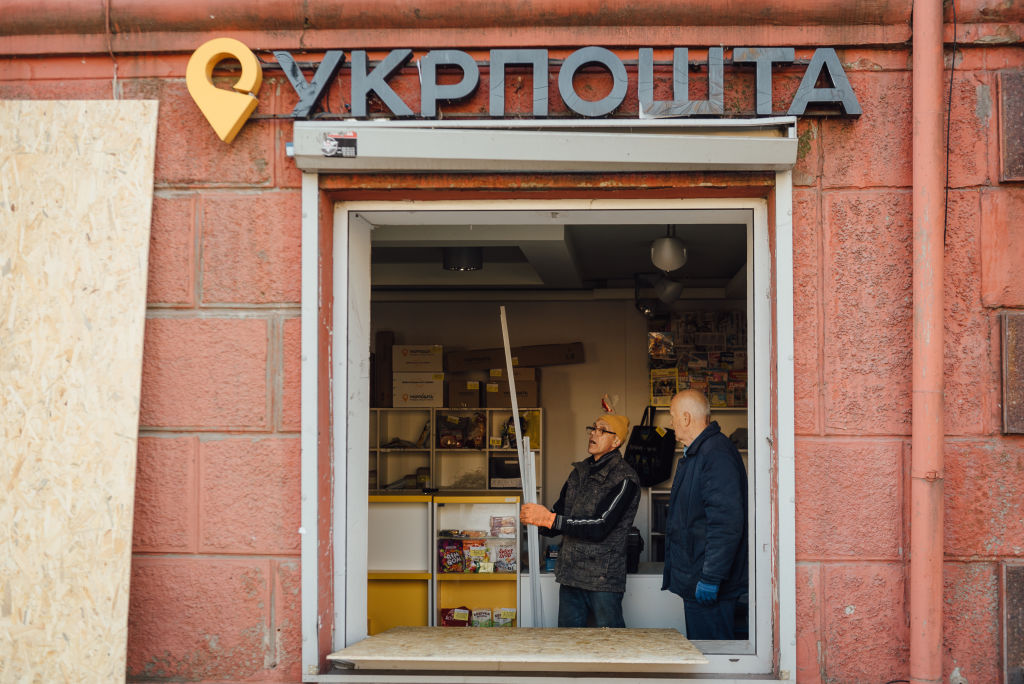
(406, 453)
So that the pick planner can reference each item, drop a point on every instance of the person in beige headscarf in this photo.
(594, 513)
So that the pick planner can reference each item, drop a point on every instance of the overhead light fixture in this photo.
(647, 307)
(668, 290)
(463, 258)
(668, 253)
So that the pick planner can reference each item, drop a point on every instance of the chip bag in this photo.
(450, 558)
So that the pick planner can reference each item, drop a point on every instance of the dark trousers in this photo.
(716, 621)
(575, 604)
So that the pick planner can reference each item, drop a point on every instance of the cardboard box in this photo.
(500, 374)
(464, 394)
(503, 473)
(536, 355)
(498, 395)
(408, 358)
(418, 389)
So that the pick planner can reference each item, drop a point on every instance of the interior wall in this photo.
(614, 337)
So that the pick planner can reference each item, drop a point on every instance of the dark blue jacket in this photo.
(706, 531)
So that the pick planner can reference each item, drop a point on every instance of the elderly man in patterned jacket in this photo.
(593, 514)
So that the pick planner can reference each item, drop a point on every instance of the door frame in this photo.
(339, 580)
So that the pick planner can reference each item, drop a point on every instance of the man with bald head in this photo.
(706, 531)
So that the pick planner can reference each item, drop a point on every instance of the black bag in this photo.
(650, 450)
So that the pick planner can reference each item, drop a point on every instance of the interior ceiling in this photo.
(568, 250)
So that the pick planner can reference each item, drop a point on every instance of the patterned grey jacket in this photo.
(593, 514)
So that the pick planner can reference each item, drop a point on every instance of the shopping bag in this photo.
(650, 450)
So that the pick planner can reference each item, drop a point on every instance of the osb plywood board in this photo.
(76, 185)
(519, 650)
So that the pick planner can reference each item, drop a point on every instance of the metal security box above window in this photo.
(768, 144)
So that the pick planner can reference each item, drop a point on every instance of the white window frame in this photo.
(774, 519)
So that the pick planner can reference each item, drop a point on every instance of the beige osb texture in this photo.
(517, 650)
(76, 185)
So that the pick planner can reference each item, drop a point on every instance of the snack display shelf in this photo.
(397, 575)
(477, 576)
(449, 536)
(477, 500)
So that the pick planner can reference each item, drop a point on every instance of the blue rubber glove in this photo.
(706, 593)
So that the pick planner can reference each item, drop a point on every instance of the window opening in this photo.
(584, 275)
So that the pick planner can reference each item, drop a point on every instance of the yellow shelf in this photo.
(397, 575)
(490, 536)
(476, 576)
(400, 498)
(476, 499)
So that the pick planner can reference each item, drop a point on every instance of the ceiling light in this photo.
(647, 307)
(463, 258)
(668, 290)
(668, 253)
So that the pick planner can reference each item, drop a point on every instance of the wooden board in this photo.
(76, 185)
(520, 650)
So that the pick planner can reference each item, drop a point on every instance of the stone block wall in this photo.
(215, 584)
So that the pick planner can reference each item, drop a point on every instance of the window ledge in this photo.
(546, 650)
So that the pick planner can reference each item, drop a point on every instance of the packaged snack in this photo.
(451, 431)
(474, 553)
(481, 617)
(503, 554)
(455, 617)
(503, 526)
(504, 617)
(476, 431)
(660, 345)
(450, 556)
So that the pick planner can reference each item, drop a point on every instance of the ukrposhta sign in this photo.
(366, 80)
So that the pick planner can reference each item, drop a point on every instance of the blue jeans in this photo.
(717, 621)
(574, 605)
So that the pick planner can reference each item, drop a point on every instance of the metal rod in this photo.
(525, 465)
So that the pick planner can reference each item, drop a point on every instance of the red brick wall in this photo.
(215, 582)
(853, 318)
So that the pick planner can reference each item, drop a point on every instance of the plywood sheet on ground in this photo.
(522, 650)
(76, 185)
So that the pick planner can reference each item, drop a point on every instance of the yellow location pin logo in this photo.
(226, 111)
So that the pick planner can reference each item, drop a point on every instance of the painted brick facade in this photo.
(216, 574)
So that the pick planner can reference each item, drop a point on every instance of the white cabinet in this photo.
(400, 552)
(421, 560)
(643, 604)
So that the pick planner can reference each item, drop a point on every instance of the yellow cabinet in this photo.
(399, 560)
(477, 564)
(411, 581)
